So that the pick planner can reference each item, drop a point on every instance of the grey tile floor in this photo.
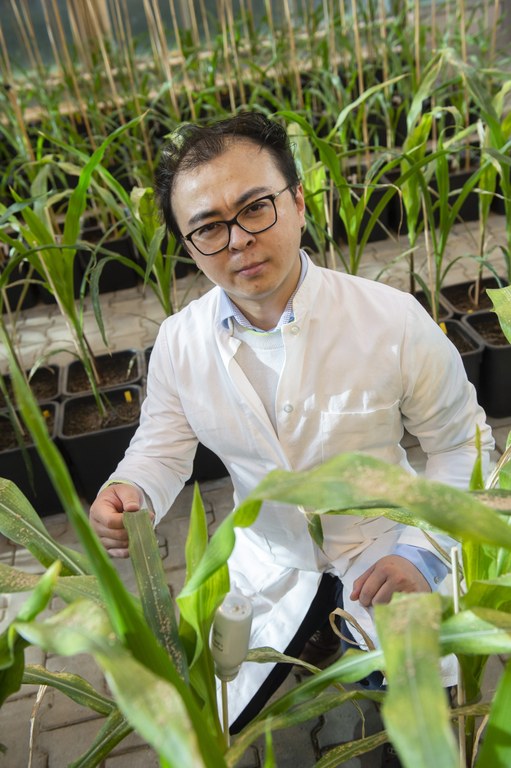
(58, 730)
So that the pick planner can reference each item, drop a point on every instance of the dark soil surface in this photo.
(44, 385)
(463, 296)
(489, 328)
(82, 416)
(8, 440)
(118, 368)
(459, 340)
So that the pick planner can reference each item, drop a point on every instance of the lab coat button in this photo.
(295, 330)
(288, 408)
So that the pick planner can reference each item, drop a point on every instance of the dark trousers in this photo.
(328, 597)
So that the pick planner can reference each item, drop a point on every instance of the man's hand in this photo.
(390, 574)
(106, 516)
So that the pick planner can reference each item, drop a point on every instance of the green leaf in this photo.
(73, 686)
(478, 631)
(153, 589)
(353, 481)
(112, 732)
(495, 750)
(197, 610)
(20, 522)
(501, 299)
(415, 710)
(69, 588)
(158, 710)
(12, 646)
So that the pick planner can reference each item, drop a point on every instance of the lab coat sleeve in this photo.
(440, 408)
(160, 456)
(439, 404)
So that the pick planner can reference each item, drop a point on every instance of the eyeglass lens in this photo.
(254, 218)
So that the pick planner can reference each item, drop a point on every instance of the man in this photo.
(283, 365)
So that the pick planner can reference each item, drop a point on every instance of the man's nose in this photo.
(239, 238)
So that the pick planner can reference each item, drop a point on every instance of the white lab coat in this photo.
(362, 361)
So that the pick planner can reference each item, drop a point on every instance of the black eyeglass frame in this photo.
(230, 223)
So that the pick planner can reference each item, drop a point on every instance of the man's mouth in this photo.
(249, 270)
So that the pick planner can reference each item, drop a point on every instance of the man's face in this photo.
(258, 271)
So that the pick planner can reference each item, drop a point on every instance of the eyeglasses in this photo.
(256, 217)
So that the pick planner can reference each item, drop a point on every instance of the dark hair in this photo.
(192, 145)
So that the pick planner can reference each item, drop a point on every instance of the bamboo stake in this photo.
(106, 61)
(225, 46)
(234, 47)
(360, 78)
(160, 52)
(68, 63)
(32, 35)
(193, 24)
(417, 39)
(434, 136)
(126, 46)
(23, 34)
(466, 95)
(7, 76)
(205, 22)
(293, 58)
(493, 40)
(328, 12)
(186, 79)
(342, 17)
(385, 66)
(245, 23)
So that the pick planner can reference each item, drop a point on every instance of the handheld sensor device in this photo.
(229, 643)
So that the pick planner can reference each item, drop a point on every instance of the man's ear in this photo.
(300, 204)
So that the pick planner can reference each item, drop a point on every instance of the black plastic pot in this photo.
(444, 312)
(495, 376)
(121, 368)
(44, 383)
(115, 276)
(460, 297)
(25, 468)
(381, 227)
(469, 347)
(20, 294)
(93, 456)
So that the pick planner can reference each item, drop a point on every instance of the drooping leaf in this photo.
(353, 481)
(495, 750)
(153, 589)
(162, 712)
(415, 710)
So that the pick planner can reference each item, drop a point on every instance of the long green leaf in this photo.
(351, 482)
(153, 706)
(20, 522)
(153, 589)
(415, 710)
(501, 299)
(69, 588)
(73, 686)
(113, 731)
(496, 747)
(197, 611)
(12, 646)
(479, 631)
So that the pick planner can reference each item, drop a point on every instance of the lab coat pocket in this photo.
(374, 432)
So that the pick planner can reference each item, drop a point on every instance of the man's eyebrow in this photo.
(250, 194)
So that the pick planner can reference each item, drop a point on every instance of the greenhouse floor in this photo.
(43, 729)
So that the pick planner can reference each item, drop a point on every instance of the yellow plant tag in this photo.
(127, 396)
(443, 327)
